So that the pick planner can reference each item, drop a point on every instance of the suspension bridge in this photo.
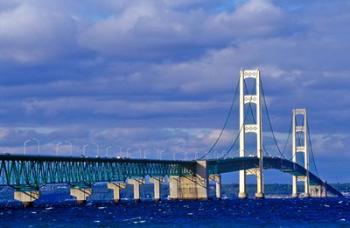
(27, 174)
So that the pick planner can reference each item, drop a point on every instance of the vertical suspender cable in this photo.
(312, 153)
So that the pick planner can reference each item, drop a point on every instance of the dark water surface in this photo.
(331, 212)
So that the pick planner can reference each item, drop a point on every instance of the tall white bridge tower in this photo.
(300, 130)
(248, 99)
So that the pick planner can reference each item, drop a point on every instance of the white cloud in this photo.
(121, 108)
(150, 26)
(29, 33)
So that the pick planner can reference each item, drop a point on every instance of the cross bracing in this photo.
(20, 171)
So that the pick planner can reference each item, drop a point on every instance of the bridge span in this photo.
(187, 179)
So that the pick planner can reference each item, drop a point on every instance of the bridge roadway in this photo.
(31, 172)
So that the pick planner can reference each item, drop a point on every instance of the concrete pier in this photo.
(190, 187)
(294, 187)
(157, 187)
(174, 182)
(136, 185)
(81, 193)
(217, 179)
(242, 184)
(116, 187)
(26, 197)
(259, 184)
(307, 187)
(318, 191)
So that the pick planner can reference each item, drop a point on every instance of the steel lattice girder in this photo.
(21, 171)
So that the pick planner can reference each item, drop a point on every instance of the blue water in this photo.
(234, 212)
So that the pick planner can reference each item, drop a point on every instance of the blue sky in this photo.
(159, 76)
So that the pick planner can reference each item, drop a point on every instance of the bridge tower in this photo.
(247, 99)
(301, 129)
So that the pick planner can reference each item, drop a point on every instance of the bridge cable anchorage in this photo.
(254, 120)
(312, 152)
(269, 120)
(225, 123)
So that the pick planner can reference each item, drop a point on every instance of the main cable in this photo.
(311, 149)
(233, 144)
(225, 123)
(269, 120)
(288, 137)
(254, 119)
(237, 136)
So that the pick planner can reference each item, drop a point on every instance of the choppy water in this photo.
(268, 212)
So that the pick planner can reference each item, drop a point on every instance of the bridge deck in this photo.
(22, 171)
(284, 165)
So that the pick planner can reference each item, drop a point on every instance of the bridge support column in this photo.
(174, 182)
(26, 197)
(81, 193)
(136, 186)
(242, 185)
(116, 187)
(157, 187)
(217, 179)
(294, 187)
(318, 191)
(191, 187)
(259, 185)
(300, 147)
(255, 127)
(307, 188)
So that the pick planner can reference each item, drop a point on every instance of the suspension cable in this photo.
(269, 120)
(233, 144)
(311, 148)
(312, 153)
(298, 138)
(225, 123)
(254, 120)
(237, 136)
(288, 137)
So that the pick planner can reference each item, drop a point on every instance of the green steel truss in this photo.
(32, 172)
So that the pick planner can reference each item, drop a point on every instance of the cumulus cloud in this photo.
(145, 29)
(30, 33)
